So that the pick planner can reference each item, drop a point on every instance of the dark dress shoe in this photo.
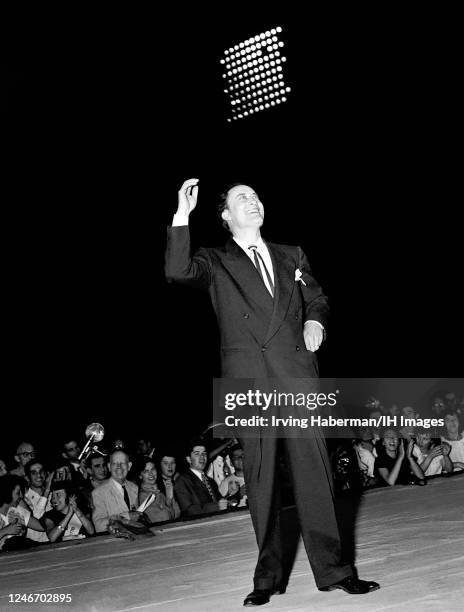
(353, 586)
(258, 597)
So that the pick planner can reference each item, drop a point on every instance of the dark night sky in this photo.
(103, 125)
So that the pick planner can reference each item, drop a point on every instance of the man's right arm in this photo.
(180, 266)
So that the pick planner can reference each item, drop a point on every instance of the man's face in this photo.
(72, 450)
(168, 467)
(423, 439)
(452, 423)
(237, 459)
(244, 209)
(59, 499)
(98, 468)
(24, 453)
(143, 447)
(409, 412)
(119, 466)
(438, 405)
(198, 458)
(2, 468)
(37, 475)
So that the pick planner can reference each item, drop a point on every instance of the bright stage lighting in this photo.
(257, 59)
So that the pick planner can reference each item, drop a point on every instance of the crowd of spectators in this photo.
(121, 487)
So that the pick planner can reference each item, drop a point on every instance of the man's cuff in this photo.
(317, 323)
(179, 220)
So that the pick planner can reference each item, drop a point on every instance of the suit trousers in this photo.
(309, 467)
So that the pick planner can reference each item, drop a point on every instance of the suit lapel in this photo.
(246, 275)
(284, 282)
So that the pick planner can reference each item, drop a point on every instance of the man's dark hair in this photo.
(195, 442)
(88, 461)
(7, 486)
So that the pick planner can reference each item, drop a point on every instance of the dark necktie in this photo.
(256, 254)
(208, 486)
(126, 497)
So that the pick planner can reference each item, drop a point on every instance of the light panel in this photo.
(255, 74)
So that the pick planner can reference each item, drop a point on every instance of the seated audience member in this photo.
(366, 454)
(195, 492)
(167, 476)
(438, 405)
(71, 452)
(219, 463)
(145, 448)
(65, 520)
(233, 486)
(117, 496)
(408, 431)
(24, 453)
(455, 439)
(97, 469)
(375, 431)
(432, 459)
(451, 401)
(37, 496)
(3, 470)
(158, 508)
(96, 466)
(395, 464)
(15, 516)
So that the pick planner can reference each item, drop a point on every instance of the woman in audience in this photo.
(432, 458)
(158, 508)
(455, 438)
(65, 520)
(395, 463)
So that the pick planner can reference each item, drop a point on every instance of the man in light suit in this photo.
(272, 315)
(117, 496)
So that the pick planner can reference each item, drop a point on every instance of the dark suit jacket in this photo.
(193, 496)
(260, 337)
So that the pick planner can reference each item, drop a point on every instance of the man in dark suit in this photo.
(271, 314)
(195, 492)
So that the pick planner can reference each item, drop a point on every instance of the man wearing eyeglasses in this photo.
(24, 453)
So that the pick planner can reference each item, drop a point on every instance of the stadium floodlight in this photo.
(261, 61)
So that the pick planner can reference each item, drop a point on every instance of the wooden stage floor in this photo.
(410, 539)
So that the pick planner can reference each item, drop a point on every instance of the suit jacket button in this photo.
(263, 349)
(246, 316)
(297, 348)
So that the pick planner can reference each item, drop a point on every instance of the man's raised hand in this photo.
(187, 198)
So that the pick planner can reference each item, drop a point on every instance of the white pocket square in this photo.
(298, 276)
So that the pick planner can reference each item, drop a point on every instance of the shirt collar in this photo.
(244, 244)
(118, 484)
